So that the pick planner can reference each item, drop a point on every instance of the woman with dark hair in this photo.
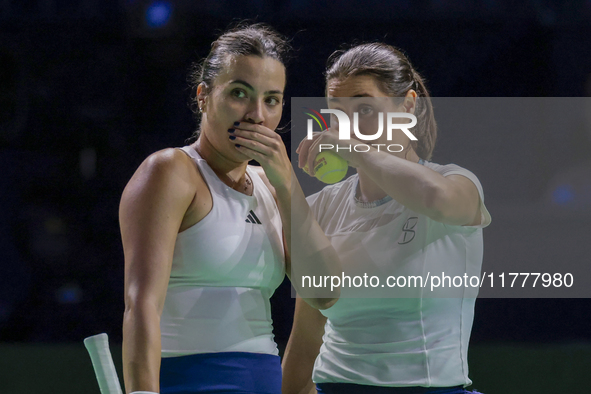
(400, 214)
(204, 234)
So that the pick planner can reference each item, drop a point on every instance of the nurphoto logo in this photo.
(345, 129)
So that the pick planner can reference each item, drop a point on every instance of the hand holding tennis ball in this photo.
(329, 167)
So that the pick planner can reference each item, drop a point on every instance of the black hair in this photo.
(395, 76)
(245, 39)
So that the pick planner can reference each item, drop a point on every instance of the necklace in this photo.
(234, 183)
(244, 187)
(247, 181)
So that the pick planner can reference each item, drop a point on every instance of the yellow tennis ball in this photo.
(329, 167)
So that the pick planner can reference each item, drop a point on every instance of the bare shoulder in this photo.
(164, 172)
(168, 162)
(260, 172)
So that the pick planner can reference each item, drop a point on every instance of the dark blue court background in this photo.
(88, 89)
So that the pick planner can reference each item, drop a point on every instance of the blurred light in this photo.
(563, 194)
(158, 13)
(69, 294)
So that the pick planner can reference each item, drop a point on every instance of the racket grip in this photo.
(102, 362)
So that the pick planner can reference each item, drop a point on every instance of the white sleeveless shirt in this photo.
(224, 270)
(397, 342)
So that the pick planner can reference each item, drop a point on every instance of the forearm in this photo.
(310, 251)
(413, 185)
(302, 349)
(141, 350)
(297, 371)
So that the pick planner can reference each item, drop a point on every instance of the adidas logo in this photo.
(252, 218)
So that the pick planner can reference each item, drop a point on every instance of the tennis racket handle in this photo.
(106, 375)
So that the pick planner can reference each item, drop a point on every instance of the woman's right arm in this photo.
(302, 349)
(152, 209)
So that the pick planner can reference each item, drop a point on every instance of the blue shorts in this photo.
(349, 388)
(226, 372)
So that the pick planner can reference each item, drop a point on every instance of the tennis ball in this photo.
(329, 167)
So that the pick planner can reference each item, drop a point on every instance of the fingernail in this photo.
(232, 137)
(237, 146)
(230, 130)
(236, 123)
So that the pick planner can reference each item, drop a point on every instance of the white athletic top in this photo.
(224, 270)
(397, 341)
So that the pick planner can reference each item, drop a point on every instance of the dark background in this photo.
(88, 89)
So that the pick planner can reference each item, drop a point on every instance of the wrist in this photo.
(352, 158)
(143, 392)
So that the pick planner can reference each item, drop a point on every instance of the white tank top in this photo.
(224, 270)
(397, 342)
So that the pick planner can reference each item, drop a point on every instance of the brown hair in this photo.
(243, 40)
(395, 76)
